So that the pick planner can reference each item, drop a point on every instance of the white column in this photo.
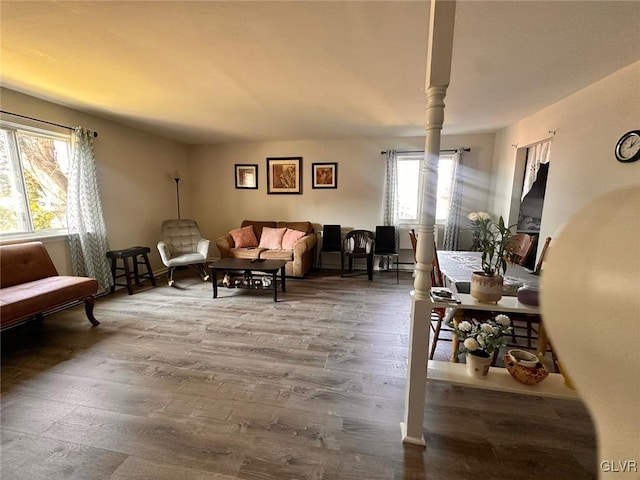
(438, 71)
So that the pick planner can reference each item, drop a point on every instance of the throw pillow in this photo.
(290, 238)
(244, 237)
(271, 238)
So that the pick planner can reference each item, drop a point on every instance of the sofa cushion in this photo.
(27, 299)
(271, 238)
(251, 252)
(258, 226)
(25, 262)
(290, 238)
(306, 227)
(277, 254)
(244, 237)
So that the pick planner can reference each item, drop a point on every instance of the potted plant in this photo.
(491, 239)
(479, 341)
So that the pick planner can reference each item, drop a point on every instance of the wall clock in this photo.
(628, 147)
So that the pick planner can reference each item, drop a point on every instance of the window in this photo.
(410, 187)
(34, 165)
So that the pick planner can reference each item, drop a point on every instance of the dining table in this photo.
(456, 268)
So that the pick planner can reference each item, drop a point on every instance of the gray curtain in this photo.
(452, 227)
(85, 221)
(390, 199)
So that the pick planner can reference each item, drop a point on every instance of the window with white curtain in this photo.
(410, 186)
(34, 165)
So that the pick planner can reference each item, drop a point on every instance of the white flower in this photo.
(484, 215)
(486, 328)
(470, 344)
(473, 216)
(481, 340)
(464, 326)
(503, 320)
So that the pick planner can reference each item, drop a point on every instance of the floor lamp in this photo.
(176, 177)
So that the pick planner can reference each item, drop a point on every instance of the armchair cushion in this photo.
(244, 237)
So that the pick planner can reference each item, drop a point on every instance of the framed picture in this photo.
(324, 175)
(284, 175)
(246, 176)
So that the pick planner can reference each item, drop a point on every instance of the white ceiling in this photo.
(205, 72)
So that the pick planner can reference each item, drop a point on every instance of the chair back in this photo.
(436, 274)
(545, 247)
(331, 238)
(359, 242)
(414, 242)
(385, 240)
(519, 247)
(180, 235)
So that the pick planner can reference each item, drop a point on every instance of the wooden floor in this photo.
(176, 385)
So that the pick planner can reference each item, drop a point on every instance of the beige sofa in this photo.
(299, 259)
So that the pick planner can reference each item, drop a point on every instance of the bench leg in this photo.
(89, 302)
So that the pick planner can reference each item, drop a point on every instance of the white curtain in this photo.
(85, 221)
(537, 155)
(452, 227)
(390, 199)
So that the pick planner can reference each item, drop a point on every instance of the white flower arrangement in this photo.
(487, 336)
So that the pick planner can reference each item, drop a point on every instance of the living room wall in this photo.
(587, 126)
(357, 202)
(134, 173)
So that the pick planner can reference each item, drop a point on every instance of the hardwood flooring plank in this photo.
(134, 468)
(35, 457)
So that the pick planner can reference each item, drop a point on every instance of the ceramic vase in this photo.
(478, 364)
(486, 288)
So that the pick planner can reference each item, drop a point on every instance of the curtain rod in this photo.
(466, 149)
(95, 134)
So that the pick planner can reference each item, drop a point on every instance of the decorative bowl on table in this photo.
(529, 295)
(525, 367)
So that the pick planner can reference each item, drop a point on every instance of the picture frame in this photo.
(284, 175)
(324, 175)
(246, 175)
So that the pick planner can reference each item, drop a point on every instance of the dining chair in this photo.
(519, 247)
(331, 241)
(358, 244)
(545, 247)
(437, 314)
(385, 246)
(532, 323)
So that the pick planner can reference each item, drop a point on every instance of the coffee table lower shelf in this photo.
(266, 267)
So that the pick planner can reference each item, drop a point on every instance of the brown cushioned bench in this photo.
(30, 285)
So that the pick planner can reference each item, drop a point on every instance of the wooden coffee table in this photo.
(269, 267)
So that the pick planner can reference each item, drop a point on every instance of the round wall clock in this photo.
(628, 147)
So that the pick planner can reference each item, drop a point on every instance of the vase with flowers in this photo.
(480, 340)
(490, 238)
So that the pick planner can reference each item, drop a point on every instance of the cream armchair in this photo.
(183, 245)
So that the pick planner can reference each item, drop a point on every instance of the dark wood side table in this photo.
(270, 267)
